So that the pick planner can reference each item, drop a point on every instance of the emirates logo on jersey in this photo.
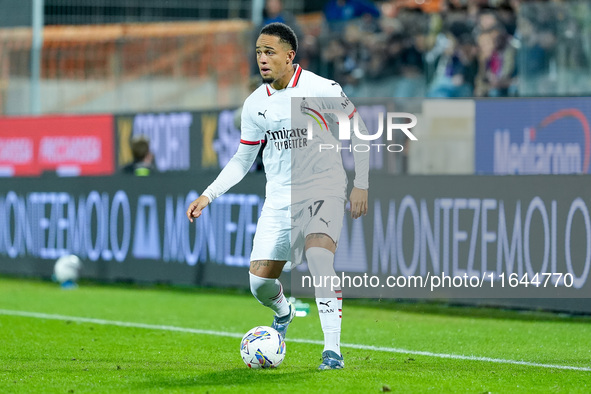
(288, 138)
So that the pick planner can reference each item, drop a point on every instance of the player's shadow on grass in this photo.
(234, 377)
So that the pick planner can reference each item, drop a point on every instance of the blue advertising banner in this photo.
(533, 136)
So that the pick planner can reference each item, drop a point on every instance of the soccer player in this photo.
(306, 188)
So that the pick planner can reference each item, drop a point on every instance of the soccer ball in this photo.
(262, 347)
(66, 269)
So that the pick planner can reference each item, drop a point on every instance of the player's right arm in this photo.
(236, 168)
(232, 173)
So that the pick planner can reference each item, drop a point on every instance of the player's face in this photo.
(274, 58)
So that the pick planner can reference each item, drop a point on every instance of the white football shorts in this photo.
(272, 239)
(281, 233)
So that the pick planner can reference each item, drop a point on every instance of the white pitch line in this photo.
(298, 340)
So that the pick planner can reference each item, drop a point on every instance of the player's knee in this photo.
(270, 269)
(320, 240)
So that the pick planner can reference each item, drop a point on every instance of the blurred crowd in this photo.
(466, 48)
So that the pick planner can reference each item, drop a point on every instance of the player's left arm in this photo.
(359, 194)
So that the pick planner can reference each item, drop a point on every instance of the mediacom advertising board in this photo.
(533, 136)
(67, 145)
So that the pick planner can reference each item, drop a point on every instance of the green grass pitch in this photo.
(418, 345)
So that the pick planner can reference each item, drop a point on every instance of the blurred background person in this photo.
(457, 66)
(339, 12)
(143, 158)
(496, 63)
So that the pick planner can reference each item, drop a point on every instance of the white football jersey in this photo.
(295, 167)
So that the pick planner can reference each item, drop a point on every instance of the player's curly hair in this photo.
(284, 32)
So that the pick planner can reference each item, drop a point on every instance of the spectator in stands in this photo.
(456, 68)
(333, 57)
(398, 52)
(143, 159)
(384, 59)
(507, 17)
(496, 63)
(487, 20)
(339, 12)
(274, 13)
(533, 53)
(537, 39)
(310, 53)
(345, 56)
(412, 66)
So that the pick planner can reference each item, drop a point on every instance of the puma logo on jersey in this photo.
(325, 222)
(263, 114)
(324, 303)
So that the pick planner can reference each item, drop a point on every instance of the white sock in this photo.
(269, 292)
(329, 300)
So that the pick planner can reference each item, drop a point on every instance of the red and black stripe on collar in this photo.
(296, 79)
(297, 76)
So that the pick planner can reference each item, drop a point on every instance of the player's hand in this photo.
(196, 207)
(358, 202)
